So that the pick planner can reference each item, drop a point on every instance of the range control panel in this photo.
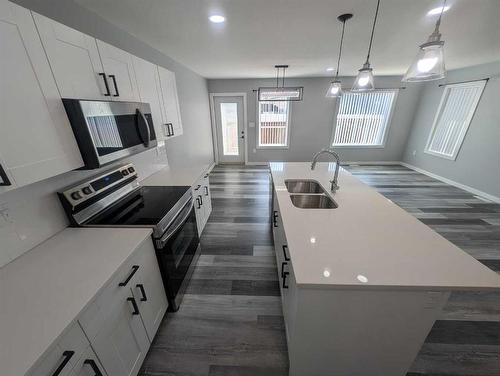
(92, 187)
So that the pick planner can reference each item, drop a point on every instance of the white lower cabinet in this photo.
(123, 319)
(203, 201)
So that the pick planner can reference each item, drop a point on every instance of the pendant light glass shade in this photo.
(335, 89)
(429, 63)
(364, 80)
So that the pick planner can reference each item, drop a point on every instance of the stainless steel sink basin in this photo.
(303, 186)
(313, 202)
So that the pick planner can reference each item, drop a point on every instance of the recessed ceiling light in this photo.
(437, 10)
(217, 18)
(330, 69)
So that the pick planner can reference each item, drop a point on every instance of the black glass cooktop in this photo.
(146, 207)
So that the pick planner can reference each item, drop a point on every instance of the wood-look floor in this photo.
(230, 322)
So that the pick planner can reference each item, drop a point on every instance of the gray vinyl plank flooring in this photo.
(230, 322)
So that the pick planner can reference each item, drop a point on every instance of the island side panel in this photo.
(362, 333)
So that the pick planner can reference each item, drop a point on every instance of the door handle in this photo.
(67, 356)
(140, 286)
(285, 247)
(93, 365)
(117, 94)
(134, 270)
(134, 305)
(107, 93)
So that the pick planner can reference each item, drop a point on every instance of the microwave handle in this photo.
(142, 124)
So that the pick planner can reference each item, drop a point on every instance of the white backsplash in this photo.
(32, 214)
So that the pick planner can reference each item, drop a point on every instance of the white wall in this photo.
(311, 120)
(477, 162)
(31, 214)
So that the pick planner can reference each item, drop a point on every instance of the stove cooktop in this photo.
(146, 207)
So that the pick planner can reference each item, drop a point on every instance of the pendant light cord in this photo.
(373, 31)
(438, 22)
(340, 50)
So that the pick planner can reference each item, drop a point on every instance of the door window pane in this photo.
(229, 123)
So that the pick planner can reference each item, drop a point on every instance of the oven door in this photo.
(107, 131)
(177, 252)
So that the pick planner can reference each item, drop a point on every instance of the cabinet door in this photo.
(120, 72)
(36, 140)
(148, 83)
(170, 100)
(88, 365)
(207, 198)
(149, 292)
(74, 60)
(198, 206)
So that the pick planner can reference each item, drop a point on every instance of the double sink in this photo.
(309, 194)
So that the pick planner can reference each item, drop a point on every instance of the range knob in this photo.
(76, 195)
(124, 172)
(131, 169)
(86, 190)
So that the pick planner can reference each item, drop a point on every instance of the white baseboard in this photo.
(467, 188)
(370, 162)
(248, 163)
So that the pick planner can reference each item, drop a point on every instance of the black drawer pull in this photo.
(67, 356)
(199, 203)
(284, 285)
(93, 365)
(140, 286)
(107, 93)
(168, 129)
(206, 176)
(275, 218)
(134, 304)
(285, 247)
(197, 187)
(4, 180)
(283, 268)
(117, 94)
(134, 269)
(172, 128)
(201, 199)
(206, 190)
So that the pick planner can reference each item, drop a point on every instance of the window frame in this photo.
(257, 133)
(463, 132)
(386, 130)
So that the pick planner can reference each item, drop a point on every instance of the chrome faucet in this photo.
(330, 151)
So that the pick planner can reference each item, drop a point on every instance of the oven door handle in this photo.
(178, 222)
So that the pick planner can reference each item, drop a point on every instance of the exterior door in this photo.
(230, 129)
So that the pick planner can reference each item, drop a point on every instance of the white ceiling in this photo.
(305, 34)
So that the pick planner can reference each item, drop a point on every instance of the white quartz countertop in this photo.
(44, 290)
(368, 238)
(178, 175)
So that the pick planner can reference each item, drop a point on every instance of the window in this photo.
(229, 127)
(363, 118)
(453, 117)
(273, 123)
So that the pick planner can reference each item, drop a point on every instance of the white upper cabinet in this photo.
(74, 59)
(148, 83)
(170, 102)
(36, 140)
(119, 69)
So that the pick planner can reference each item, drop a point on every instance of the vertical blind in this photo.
(457, 106)
(362, 118)
(273, 123)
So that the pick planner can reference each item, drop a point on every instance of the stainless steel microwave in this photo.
(108, 131)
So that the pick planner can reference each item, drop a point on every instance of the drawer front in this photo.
(63, 355)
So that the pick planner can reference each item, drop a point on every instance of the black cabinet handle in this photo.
(199, 203)
(168, 129)
(283, 264)
(285, 247)
(134, 270)
(172, 128)
(206, 190)
(93, 365)
(275, 218)
(107, 93)
(67, 356)
(284, 285)
(201, 199)
(197, 187)
(117, 94)
(206, 176)
(140, 286)
(4, 180)
(134, 305)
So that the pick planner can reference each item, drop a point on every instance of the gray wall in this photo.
(31, 214)
(312, 120)
(477, 162)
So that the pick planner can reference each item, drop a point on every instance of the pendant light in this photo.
(335, 89)
(364, 80)
(429, 62)
(280, 93)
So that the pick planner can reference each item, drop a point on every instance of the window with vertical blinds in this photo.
(273, 123)
(453, 117)
(363, 118)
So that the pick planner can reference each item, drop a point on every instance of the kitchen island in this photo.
(363, 283)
